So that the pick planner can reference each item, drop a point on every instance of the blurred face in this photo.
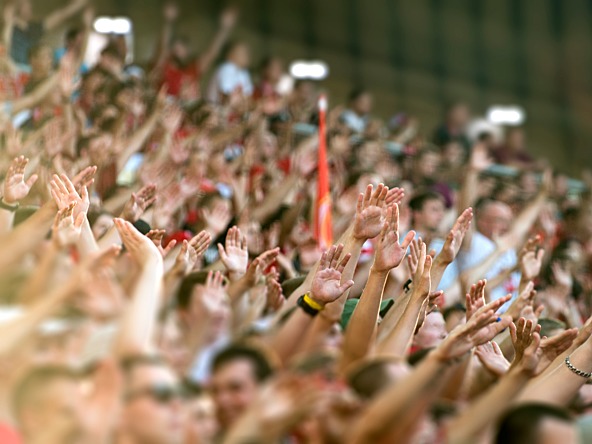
(240, 55)
(61, 399)
(428, 219)
(552, 431)
(453, 153)
(180, 50)
(494, 220)
(432, 332)
(148, 417)
(428, 164)
(234, 388)
(41, 61)
(273, 71)
(201, 426)
(515, 140)
(459, 115)
(363, 104)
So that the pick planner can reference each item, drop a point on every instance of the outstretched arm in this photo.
(139, 319)
(361, 330)
(57, 17)
(227, 22)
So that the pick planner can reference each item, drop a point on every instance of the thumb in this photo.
(346, 286)
(31, 181)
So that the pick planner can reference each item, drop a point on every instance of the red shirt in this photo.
(181, 81)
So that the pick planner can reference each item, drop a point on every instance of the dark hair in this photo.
(356, 93)
(419, 200)
(72, 33)
(128, 363)
(31, 386)
(456, 308)
(183, 299)
(371, 378)
(238, 352)
(520, 425)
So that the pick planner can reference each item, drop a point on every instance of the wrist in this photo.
(9, 205)
(379, 272)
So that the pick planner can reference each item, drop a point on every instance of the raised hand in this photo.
(422, 280)
(216, 219)
(554, 346)
(394, 196)
(483, 326)
(526, 340)
(65, 230)
(562, 277)
(491, 357)
(190, 252)
(480, 159)
(475, 299)
(172, 117)
(326, 284)
(84, 178)
(456, 236)
(229, 17)
(259, 265)
(138, 203)
(15, 186)
(141, 248)
(530, 259)
(64, 193)
(274, 293)
(524, 299)
(157, 236)
(368, 220)
(389, 253)
(235, 255)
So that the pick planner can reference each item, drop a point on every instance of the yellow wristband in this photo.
(312, 303)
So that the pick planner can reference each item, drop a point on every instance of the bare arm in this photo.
(137, 330)
(227, 22)
(57, 17)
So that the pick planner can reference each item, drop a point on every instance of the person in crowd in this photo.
(162, 280)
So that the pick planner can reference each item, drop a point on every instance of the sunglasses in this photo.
(163, 394)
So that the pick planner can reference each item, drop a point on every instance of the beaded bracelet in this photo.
(577, 371)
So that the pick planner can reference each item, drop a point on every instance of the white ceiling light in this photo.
(109, 25)
(506, 115)
(314, 69)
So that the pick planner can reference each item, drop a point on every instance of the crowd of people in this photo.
(161, 281)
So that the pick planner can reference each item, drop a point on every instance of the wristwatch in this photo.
(8, 207)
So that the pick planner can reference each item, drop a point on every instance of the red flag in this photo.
(323, 227)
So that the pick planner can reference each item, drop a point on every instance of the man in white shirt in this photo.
(232, 76)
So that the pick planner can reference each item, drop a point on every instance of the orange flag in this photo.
(323, 225)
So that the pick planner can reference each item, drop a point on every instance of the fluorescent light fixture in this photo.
(506, 115)
(121, 25)
(113, 25)
(103, 25)
(313, 69)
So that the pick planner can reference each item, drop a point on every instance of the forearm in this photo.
(17, 331)
(135, 142)
(87, 243)
(487, 409)
(26, 236)
(469, 191)
(395, 406)
(56, 18)
(6, 221)
(273, 201)
(38, 280)
(438, 268)
(399, 340)
(393, 316)
(140, 316)
(206, 60)
(560, 384)
(361, 329)
(285, 341)
(36, 96)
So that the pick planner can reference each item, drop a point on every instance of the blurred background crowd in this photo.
(197, 249)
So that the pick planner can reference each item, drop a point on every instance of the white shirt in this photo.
(227, 79)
